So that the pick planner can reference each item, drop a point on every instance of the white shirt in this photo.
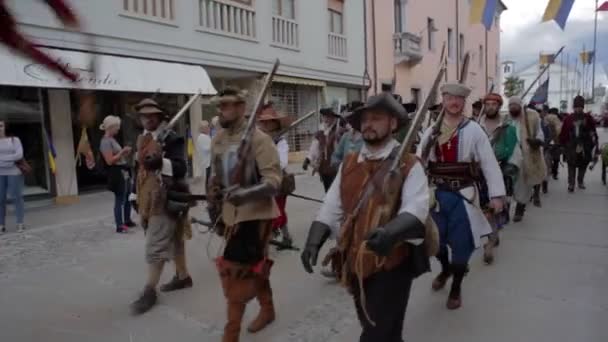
(203, 148)
(414, 192)
(283, 149)
(314, 155)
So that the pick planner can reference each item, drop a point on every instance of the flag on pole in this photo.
(558, 10)
(541, 95)
(603, 7)
(51, 152)
(190, 145)
(547, 59)
(587, 57)
(483, 11)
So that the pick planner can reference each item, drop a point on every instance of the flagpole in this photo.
(561, 80)
(594, 47)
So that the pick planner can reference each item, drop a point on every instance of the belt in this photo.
(451, 184)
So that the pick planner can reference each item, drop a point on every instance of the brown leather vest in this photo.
(353, 180)
(327, 145)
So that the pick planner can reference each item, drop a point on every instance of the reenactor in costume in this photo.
(533, 168)
(551, 126)
(503, 138)
(271, 122)
(555, 148)
(351, 140)
(161, 167)
(460, 157)
(243, 214)
(476, 106)
(323, 146)
(579, 139)
(374, 261)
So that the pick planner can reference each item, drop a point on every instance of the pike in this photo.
(483, 105)
(436, 130)
(278, 136)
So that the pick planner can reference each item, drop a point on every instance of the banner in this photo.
(558, 11)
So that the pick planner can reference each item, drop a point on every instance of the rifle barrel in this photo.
(183, 110)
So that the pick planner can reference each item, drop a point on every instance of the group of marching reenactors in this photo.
(442, 204)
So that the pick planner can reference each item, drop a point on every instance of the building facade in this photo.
(407, 38)
(171, 49)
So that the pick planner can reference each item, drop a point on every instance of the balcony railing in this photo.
(228, 18)
(407, 48)
(337, 46)
(285, 32)
(154, 10)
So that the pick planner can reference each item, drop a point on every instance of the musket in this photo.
(436, 130)
(182, 111)
(282, 132)
(306, 198)
(542, 72)
(244, 148)
(434, 95)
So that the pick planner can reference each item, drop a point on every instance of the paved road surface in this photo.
(72, 280)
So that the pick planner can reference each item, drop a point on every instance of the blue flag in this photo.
(541, 95)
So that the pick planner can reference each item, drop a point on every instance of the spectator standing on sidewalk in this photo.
(11, 177)
(119, 178)
(203, 148)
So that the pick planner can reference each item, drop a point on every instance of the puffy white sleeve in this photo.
(313, 151)
(331, 212)
(283, 149)
(489, 165)
(426, 137)
(415, 193)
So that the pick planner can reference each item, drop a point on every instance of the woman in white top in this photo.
(203, 148)
(11, 178)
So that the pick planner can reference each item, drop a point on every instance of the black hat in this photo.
(579, 102)
(435, 107)
(383, 101)
(477, 104)
(328, 111)
(554, 111)
(410, 107)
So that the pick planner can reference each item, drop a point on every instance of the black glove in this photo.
(405, 226)
(240, 195)
(317, 235)
(535, 143)
(305, 164)
(153, 162)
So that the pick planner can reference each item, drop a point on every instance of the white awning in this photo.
(113, 74)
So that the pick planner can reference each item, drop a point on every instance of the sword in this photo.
(306, 198)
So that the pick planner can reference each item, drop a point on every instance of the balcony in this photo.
(285, 32)
(160, 11)
(407, 48)
(337, 48)
(227, 18)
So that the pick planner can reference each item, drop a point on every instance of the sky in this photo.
(524, 36)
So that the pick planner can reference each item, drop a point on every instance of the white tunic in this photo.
(283, 149)
(414, 193)
(474, 145)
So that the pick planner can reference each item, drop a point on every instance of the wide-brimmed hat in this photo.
(148, 106)
(230, 95)
(329, 111)
(410, 107)
(268, 113)
(383, 101)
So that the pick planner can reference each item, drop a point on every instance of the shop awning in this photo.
(298, 81)
(113, 74)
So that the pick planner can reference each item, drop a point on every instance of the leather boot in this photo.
(455, 299)
(545, 187)
(232, 329)
(519, 212)
(267, 313)
(177, 284)
(536, 196)
(446, 271)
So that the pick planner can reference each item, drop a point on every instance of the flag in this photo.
(483, 11)
(558, 10)
(84, 148)
(547, 59)
(603, 7)
(587, 57)
(51, 152)
(190, 145)
(541, 95)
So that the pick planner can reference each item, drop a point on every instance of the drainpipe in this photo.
(457, 41)
(374, 47)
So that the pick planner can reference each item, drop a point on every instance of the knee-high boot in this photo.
(267, 313)
(454, 299)
(232, 329)
(446, 271)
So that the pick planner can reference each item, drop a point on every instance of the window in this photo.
(415, 92)
(430, 31)
(481, 56)
(462, 47)
(284, 8)
(335, 22)
(507, 69)
(450, 43)
(399, 16)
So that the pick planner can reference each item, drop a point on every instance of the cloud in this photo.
(524, 36)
